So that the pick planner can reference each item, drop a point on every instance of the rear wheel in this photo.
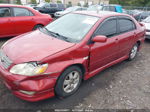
(69, 82)
(133, 52)
(37, 27)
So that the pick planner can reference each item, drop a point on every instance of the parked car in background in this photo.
(68, 10)
(94, 8)
(50, 8)
(31, 5)
(17, 19)
(142, 15)
(146, 22)
(55, 59)
(111, 7)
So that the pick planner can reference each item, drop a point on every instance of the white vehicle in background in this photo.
(68, 10)
(146, 22)
(30, 5)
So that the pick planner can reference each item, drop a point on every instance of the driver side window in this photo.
(108, 28)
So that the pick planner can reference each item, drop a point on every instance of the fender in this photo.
(62, 60)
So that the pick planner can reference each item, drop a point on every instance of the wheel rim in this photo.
(133, 51)
(71, 81)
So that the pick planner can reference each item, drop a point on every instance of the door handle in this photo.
(116, 39)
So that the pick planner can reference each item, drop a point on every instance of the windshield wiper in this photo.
(49, 32)
(57, 35)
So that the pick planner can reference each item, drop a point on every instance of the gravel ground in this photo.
(122, 86)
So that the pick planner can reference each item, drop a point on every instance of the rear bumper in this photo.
(43, 88)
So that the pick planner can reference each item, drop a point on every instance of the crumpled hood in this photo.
(34, 46)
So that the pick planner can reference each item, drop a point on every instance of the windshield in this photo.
(72, 26)
(147, 20)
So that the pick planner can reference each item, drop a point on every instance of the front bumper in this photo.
(42, 86)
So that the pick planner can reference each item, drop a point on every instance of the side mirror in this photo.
(99, 38)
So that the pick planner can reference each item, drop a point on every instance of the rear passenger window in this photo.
(53, 5)
(47, 6)
(108, 28)
(112, 8)
(106, 8)
(5, 12)
(126, 25)
(60, 5)
(22, 12)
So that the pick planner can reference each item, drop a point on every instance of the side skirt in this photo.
(91, 74)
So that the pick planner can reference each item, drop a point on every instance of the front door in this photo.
(104, 53)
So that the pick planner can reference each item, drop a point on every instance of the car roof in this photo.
(112, 5)
(101, 13)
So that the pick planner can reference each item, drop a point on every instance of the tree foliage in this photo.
(18, 1)
(3, 1)
(48, 1)
(69, 4)
(58, 1)
(33, 2)
(141, 3)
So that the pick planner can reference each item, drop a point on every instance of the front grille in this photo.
(5, 61)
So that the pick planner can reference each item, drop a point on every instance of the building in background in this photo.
(29, 1)
(75, 2)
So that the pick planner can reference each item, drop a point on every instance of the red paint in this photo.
(60, 55)
(13, 26)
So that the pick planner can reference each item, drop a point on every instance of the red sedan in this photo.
(17, 19)
(54, 60)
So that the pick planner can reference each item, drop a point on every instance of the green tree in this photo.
(141, 3)
(48, 1)
(33, 2)
(18, 1)
(58, 1)
(86, 5)
(3, 1)
(78, 4)
(69, 4)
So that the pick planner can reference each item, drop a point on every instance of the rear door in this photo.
(127, 33)
(23, 20)
(6, 25)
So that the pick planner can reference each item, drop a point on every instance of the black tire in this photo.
(59, 88)
(131, 57)
(37, 26)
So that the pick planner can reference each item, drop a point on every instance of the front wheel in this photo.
(133, 52)
(69, 82)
